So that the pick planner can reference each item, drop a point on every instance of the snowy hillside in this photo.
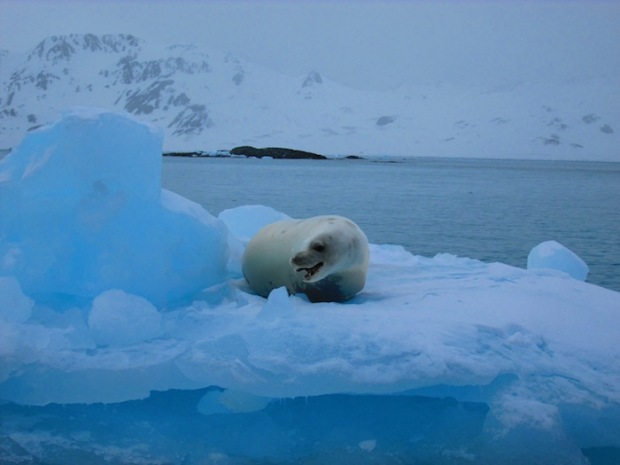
(204, 100)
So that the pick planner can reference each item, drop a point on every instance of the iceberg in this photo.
(82, 211)
(128, 335)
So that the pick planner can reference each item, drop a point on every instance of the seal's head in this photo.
(330, 250)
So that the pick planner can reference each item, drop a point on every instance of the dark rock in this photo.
(276, 152)
(144, 102)
(554, 139)
(383, 120)
(591, 118)
(199, 153)
(238, 78)
(313, 78)
(191, 120)
(183, 154)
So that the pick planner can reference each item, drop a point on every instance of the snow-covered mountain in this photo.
(205, 100)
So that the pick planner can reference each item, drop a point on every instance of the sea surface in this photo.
(490, 210)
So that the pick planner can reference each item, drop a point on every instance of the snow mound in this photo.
(82, 211)
(553, 255)
(118, 318)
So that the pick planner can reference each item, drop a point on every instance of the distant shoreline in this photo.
(278, 153)
(374, 158)
(394, 159)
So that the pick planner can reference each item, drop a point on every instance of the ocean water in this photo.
(491, 210)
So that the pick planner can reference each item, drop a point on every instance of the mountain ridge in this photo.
(208, 100)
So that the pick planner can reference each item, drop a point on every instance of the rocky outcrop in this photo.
(276, 152)
(312, 79)
(115, 72)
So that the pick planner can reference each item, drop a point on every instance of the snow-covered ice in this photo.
(112, 289)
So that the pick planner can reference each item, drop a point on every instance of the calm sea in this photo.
(491, 210)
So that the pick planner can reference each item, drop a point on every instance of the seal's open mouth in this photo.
(310, 272)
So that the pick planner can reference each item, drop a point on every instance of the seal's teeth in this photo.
(310, 271)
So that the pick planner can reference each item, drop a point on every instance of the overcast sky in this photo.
(362, 43)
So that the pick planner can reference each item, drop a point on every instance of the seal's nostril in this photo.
(300, 259)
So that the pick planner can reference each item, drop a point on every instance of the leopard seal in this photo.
(324, 257)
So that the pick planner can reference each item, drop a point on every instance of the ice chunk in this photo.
(553, 255)
(244, 222)
(278, 305)
(82, 211)
(15, 307)
(118, 319)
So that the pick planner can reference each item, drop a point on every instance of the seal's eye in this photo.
(318, 247)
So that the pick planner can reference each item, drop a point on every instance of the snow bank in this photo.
(450, 360)
(82, 211)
